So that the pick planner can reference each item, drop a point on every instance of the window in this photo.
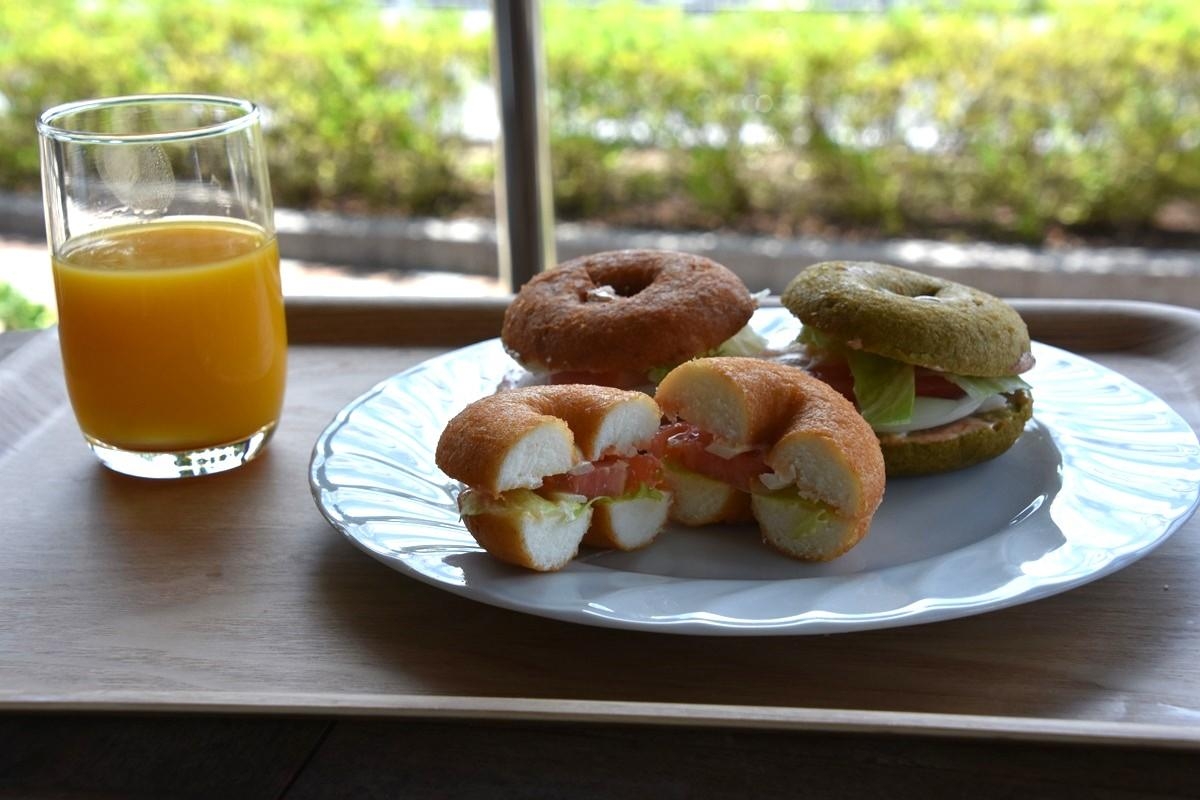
(1028, 148)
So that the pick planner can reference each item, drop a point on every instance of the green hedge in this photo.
(996, 119)
(356, 106)
(18, 313)
(1050, 114)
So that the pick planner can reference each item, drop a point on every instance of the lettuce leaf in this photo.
(528, 503)
(643, 492)
(821, 342)
(885, 388)
(746, 342)
(525, 502)
(807, 517)
(979, 388)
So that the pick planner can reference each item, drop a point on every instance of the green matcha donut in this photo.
(911, 317)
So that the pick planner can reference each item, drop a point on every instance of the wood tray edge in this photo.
(595, 712)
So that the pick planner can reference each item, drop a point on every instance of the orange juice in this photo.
(172, 333)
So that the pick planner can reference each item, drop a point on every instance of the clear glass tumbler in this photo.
(166, 273)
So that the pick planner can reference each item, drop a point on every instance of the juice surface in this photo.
(172, 333)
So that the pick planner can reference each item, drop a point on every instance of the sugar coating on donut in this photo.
(627, 310)
(912, 317)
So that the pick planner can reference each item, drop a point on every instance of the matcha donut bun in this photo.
(933, 365)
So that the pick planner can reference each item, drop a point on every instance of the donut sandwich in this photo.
(747, 438)
(933, 365)
(550, 468)
(624, 318)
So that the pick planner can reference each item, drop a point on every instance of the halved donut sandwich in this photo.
(550, 467)
(934, 366)
(749, 437)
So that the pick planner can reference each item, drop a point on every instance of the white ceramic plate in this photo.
(1105, 472)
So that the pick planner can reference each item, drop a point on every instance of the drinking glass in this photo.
(166, 274)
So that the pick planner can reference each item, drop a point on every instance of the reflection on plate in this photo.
(1104, 473)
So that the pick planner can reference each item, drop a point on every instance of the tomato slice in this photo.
(835, 373)
(612, 476)
(931, 383)
(687, 446)
(643, 469)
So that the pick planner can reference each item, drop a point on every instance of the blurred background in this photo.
(1030, 148)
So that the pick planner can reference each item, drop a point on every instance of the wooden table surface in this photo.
(147, 619)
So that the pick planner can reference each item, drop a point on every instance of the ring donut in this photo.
(550, 467)
(912, 317)
(622, 312)
(793, 447)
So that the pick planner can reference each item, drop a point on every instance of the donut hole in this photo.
(629, 289)
(910, 293)
(626, 281)
(920, 290)
(631, 286)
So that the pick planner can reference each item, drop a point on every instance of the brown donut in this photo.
(660, 309)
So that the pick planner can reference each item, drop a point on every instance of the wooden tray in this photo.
(231, 594)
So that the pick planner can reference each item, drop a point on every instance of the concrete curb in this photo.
(386, 244)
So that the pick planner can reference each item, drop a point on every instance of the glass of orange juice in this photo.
(166, 274)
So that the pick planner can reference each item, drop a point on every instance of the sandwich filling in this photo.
(611, 478)
(899, 398)
(685, 445)
(696, 458)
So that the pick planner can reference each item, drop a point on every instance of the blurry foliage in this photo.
(18, 313)
(354, 105)
(992, 118)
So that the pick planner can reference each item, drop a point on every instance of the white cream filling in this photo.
(931, 412)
